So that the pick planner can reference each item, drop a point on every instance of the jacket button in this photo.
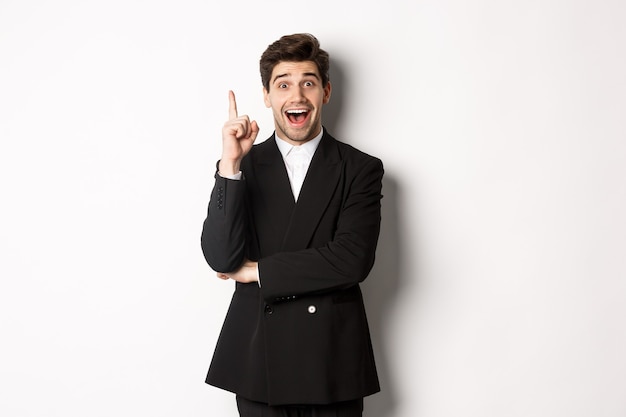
(268, 309)
(312, 309)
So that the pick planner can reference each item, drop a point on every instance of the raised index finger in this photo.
(232, 108)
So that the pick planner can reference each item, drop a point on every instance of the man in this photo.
(295, 341)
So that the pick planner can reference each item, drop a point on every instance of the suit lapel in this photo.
(295, 223)
(273, 183)
(318, 188)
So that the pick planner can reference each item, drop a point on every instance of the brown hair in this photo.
(295, 48)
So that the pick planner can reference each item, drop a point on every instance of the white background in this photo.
(499, 289)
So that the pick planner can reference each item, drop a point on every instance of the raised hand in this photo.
(238, 136)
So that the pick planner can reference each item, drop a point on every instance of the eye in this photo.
(308, 83)
(282, 85)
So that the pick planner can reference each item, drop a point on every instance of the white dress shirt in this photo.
(297, 160)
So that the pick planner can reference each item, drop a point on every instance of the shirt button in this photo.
(312, 309)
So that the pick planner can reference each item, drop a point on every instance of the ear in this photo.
(266, 98)
(327, 91)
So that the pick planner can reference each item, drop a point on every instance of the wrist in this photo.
(228, 167)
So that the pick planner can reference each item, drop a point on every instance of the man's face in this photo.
(296, 97)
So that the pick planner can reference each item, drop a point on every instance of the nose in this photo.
(298, 95)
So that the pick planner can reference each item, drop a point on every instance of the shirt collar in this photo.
(309, 147)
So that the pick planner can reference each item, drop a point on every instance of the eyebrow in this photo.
(306, 74)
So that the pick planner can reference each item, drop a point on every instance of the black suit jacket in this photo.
(301, 337)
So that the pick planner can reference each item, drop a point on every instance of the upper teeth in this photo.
(296, 111)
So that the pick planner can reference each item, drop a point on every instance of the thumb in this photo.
(254, 130)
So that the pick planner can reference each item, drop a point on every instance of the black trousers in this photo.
(249, 408)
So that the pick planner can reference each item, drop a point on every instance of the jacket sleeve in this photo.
(223, 232)
(342, 262)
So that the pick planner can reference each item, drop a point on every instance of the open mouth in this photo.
(297, 117)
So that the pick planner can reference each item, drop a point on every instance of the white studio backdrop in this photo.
(500, 282)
